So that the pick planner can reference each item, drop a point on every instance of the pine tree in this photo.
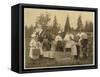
(67, 25)
(79, 24)
(91, 26)
(88, 27)
(55, 24)
(26, 31)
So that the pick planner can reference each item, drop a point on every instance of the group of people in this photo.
(76, 44)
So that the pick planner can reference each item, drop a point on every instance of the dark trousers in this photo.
(59, 46)
(84, 43)
(78, 51)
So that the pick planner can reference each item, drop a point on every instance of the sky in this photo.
(31, 14)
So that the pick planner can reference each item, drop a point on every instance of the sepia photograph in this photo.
(58, 38)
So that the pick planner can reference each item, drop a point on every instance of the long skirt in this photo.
(84, 43)
(59, 46)
(46, 45)
(74, 50)
(78, 51)
(34, 53)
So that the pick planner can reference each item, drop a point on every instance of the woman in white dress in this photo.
(67, 40)
(34, 49)
(70, 45)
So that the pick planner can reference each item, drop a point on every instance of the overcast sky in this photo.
(31, 14)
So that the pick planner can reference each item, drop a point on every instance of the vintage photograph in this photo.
(58, 38)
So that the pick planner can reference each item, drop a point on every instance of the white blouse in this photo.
(58, 38)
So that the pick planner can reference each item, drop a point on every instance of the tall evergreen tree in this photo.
(26, 31)
(88, 27)
(91, 26)
(67, 25)
(31, 29)
(79, 24)
(55, 24)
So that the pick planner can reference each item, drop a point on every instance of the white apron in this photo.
(34, 53)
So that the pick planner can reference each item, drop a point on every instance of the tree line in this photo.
(44, 19)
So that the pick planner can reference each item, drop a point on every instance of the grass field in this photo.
(46, 62)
